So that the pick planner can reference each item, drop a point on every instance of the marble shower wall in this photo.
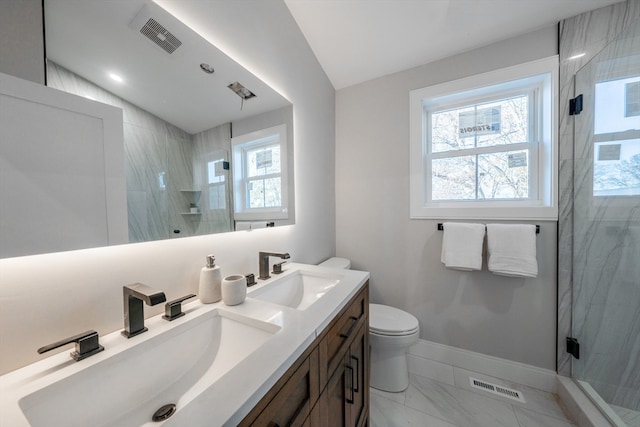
(600, 273)
(159, 166)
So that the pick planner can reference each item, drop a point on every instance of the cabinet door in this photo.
(340, 333)
(345, 401)
(62, 171)
(358, 394)
(333, 407)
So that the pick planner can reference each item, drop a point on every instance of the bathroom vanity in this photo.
(294, 353)
(328, 385)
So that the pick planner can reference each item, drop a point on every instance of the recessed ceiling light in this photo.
(580, 55)
(116, 77)
(207, 68)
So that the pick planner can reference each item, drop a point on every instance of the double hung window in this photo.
(260, 174)
(483, 147)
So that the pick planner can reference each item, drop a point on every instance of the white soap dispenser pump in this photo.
(210, 282)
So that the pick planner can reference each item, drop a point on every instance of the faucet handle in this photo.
(277, 268)
(87, 344)
(251, 279)
(173, 309)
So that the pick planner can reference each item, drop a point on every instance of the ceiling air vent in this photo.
(160, 36)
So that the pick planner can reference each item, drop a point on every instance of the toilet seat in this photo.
(390, 321)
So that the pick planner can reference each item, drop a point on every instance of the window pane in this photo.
(445, 130)
(454, 178)
(217, 199)
(264, 193)
(616, 168)
(615, 106)
(503, 175)
(632, 99)
(513, 122)
(499, 176)
(263, 161)
(215, 171)
(481, 125)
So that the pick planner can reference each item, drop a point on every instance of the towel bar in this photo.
(441, 227)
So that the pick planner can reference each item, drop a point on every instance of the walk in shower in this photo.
(606, 228)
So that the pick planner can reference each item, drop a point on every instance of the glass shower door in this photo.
(606, 256)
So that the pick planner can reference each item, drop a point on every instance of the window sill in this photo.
(522, 212)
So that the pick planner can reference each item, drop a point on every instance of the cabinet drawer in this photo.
(340, 334)
(292, 403)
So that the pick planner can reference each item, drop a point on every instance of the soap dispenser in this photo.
(210, 282)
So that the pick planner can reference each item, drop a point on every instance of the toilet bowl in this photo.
(391, 332)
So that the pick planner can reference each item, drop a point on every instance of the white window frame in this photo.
(538, 78)
(240, 145)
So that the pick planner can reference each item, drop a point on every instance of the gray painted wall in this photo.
(511, 318)
(21, 41)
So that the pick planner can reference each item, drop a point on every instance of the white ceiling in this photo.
(359, 40)
(94, 38)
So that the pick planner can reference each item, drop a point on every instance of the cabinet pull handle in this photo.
(351, 328)
(357, 382)
(352, 399)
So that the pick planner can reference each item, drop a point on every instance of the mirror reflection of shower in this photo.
(178, 109)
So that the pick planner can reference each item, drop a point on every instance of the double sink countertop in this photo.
(224, 397)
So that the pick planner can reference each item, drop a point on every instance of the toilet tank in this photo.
(336, 262)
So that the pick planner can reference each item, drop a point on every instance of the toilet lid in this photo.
(337, 262)
(387, 320)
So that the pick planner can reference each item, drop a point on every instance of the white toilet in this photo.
(391, 332)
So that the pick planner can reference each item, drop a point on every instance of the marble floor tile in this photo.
(535, 400)
(429, 403)
(396, 397)
(387, 413)
(528, 418)
(461, 407)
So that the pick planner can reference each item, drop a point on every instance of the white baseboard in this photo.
(437, 361)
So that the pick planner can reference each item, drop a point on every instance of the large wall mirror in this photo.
(187, 108)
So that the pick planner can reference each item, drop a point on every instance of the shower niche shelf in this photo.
(192, 198)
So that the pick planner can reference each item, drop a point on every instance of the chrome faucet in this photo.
(133, 296)
(263, 261)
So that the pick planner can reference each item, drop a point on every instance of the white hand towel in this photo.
(462, 245)
(512, 249)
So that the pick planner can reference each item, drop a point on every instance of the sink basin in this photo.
(299, 290)
(127, 388)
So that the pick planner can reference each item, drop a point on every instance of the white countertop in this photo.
(230, 398)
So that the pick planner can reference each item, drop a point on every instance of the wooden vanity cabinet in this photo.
(328, 386)
(290, 400)
(345, 400)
